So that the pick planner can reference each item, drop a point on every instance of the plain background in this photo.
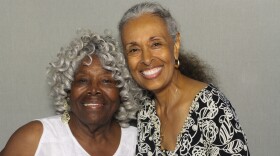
(238, 38)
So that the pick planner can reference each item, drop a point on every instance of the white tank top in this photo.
(57, 140)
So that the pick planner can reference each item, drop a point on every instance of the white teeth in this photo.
(151, 71)
(91, 104)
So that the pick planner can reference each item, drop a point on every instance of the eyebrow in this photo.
(155, 38)
(131, 43)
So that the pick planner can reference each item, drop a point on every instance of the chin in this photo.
(151, 87)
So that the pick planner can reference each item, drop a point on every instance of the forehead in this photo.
(146, 23)
(92, 64)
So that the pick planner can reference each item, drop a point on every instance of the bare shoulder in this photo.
(195, 86)
(25, 140)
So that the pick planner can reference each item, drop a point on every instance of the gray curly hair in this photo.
(106, 48)
(190, 65)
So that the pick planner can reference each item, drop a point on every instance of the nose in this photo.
(93, 89)
(146, 56)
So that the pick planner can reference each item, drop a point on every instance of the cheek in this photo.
(168, 58)
(168, 54)
(76, 93)
(132, 65)
(113, 95)
(132, 62)
(115, 101)
(73, 94)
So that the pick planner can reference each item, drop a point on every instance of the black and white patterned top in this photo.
(211, 129)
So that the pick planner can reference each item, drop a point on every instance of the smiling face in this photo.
(150, 51)
(94, 97)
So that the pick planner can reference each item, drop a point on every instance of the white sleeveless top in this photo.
(57, 140)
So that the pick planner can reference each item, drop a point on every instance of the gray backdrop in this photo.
(238, 38)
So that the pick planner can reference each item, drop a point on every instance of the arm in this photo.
(24, 141)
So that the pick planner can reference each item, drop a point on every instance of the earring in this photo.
(65, 117)
(177, 63)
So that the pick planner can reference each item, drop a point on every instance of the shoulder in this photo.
(51, 121)
(210, 94)
(129, 135)
(210, 103)
(25, 139)
(129, 131)
(128, 142)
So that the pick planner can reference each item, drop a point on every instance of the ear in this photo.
(177, 46)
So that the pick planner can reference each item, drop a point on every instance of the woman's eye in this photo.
(82, 81)
(156, 44)
(133, 50)
(108, 81)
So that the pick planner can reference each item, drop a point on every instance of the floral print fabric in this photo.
(211, 129)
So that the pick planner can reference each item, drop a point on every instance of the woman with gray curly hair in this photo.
(187, 115)
(92, 92)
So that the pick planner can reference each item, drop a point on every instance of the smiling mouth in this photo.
(151, 73)
(93, 105)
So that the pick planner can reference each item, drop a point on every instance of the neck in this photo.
(172, 93)
(92, 131)
(96, 139)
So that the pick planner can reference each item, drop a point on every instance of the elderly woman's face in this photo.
(94, 96)
(150, 51)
